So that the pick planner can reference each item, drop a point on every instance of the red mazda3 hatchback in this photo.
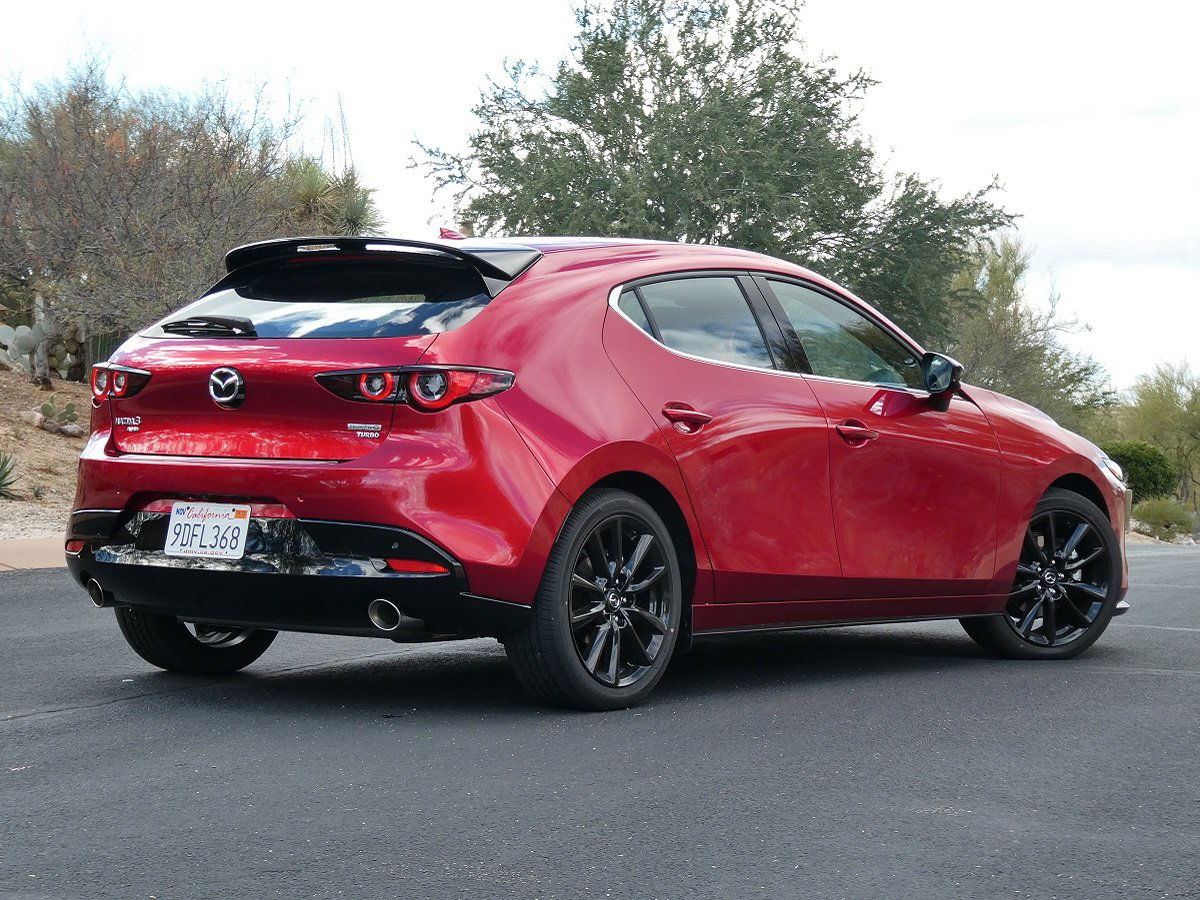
(594, 450)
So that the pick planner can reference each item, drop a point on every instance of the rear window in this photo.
(327, 299)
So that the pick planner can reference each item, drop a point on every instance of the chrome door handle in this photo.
(855, 433)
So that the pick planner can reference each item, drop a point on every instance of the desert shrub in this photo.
(1148, 470)
(8, 476)
(1163, 518)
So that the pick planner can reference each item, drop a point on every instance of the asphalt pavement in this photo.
(888, 761)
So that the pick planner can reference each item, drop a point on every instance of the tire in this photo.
(548, 653)
(1091, 597)
(166, 642)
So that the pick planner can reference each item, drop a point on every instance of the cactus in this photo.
(8, 476)
(65, 416)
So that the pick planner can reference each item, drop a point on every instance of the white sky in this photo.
(1088, 111)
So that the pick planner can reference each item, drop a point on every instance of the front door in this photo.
(915, 490)
(750, 438)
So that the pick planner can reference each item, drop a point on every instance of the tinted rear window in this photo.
(326, 299)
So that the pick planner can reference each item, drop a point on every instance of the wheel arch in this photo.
(1078, 483)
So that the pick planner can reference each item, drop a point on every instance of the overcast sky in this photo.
(1089, 112)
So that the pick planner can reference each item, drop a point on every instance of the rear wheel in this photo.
(1067, 584)
(166, 642)
(607, 614)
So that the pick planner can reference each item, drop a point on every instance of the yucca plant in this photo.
(8, 476)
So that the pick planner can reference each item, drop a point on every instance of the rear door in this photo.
(915, 489)
(749, 437)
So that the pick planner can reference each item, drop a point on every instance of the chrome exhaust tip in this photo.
(384, 615)
(99, 597)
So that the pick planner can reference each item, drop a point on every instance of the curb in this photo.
(31, 553)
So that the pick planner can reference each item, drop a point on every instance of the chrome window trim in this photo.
(615, 295)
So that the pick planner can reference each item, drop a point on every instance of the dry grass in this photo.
(46, 463)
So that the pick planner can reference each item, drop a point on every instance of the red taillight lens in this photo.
(376, 386)
(74, 546)
(425, 388)
(117, 381)
(99, 382)
(415, 567)
(432, 388)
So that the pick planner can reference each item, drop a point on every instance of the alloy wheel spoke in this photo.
(614, 657)
(657, 625)
(587, 617)
(1026, 624)
(1021, 591)
(588, 585)
(644, 543)
(598, 643)
(640, 654)
(618, 557)
(1077, 564)
(1074, 613)
(1090, 590)
(1051, 538)
(1031, 542)
(598, 555)
(1049, 621)
(647, 581)
(1073, 541)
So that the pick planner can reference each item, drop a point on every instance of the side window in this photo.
(840, 342)
(707, 317)
(632, 307)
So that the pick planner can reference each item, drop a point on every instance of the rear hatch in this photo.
(234, 374)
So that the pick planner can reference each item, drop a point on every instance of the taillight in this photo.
(117, 381)
(376, 385)
(425, 388)
(431, 388)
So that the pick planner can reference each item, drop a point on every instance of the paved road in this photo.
(890, 761)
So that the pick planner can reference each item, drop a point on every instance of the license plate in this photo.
(214, 530)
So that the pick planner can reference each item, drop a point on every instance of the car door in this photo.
(750, 437)
(915, 489)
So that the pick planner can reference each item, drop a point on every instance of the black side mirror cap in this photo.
(941, 376)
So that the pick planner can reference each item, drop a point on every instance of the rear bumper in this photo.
(297, 575)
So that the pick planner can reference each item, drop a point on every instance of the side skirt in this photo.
(721, 618)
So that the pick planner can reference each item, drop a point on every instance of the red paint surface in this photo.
(789, 522)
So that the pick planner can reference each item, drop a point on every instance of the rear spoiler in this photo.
(497, 263)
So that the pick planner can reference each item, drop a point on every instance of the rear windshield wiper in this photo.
(212, 326)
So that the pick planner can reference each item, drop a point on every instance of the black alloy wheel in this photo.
(619, 613)
(607, 614)
(1066, 586)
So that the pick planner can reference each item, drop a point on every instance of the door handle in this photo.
(855, 433)
(686, 418)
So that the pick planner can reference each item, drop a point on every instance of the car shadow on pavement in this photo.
(474, 677)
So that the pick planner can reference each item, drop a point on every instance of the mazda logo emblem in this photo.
(227, 387)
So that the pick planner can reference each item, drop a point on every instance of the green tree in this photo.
(1164, 409)
(1010, 345)
(1148, 470)
(699, 121)
(116, 207)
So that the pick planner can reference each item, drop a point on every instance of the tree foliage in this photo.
(700, 121)
(1164, 409)
(1011, 345)
(1148, 470)
(116, 207)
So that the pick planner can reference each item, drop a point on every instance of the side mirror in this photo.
(942, 376)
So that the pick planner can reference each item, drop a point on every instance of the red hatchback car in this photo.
(591, 449)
